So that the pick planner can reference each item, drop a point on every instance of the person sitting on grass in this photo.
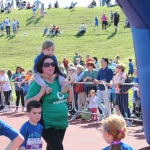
(28, 5)
(82, 29)
(56, 5)
(49, 6)
(72, 5)
(45, 31)
(15, 137)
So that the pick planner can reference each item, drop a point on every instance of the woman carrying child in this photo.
(54, 104)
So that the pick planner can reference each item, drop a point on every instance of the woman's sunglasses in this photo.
(89, 64)
(46, 65)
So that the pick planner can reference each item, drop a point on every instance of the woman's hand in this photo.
(70, 95)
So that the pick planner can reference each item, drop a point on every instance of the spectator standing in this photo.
(14, 26)
(7, 25)
(2, 27)
(18, 90)
(92, 99)
(111, 16)
(116, 20)
(34, 11)
(28, 5)
(105, 74)
(96, 22)
(81, 61)
(104, 20)
(75, 57)
(6, 89)
(37, 4)
(96, 63)
(66, 63)
(42, 10)
(130, 67)
(121, 99)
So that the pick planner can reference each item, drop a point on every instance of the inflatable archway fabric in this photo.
(138, 13)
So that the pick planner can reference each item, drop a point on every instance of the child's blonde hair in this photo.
(92, 91)
(47, 44)
(115, 126)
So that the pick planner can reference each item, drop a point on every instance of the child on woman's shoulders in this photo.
(48, 49)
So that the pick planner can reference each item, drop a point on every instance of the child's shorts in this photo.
(130, 72)
(112, 97)
(2, 28)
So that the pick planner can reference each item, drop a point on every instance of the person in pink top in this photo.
(104, 20)
(121, 99)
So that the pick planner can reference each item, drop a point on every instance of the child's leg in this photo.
(91, 109)
(41, 83)
(64, 87)
(95, 111)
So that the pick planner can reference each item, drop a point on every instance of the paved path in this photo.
(81, 135)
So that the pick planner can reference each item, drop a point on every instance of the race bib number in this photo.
(34, 144)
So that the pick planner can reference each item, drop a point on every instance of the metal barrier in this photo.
(12, 97)
(90, 88)
(129, 95)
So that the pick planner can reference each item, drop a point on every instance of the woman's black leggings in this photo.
(104, 23)
(54, 138)
(18, 95)
(7, 95)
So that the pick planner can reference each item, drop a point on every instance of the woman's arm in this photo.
(38, 96)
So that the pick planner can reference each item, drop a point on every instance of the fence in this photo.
(128, 97)
(80, 94)
(19, 94)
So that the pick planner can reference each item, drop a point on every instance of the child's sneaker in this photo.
(65, 89)
(48, 90)
(23, 109)
(16, 110)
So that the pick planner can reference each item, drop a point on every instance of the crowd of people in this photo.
(53, 84)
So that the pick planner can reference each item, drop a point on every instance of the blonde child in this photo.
(114, 129)
(92, 99)
(48, 49)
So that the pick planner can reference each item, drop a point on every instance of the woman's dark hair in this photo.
(9, 73)
(95, 58)
(40, 65)
(17, 69)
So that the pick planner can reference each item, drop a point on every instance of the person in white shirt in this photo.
(7, 25)
(5, 88)
(92, 99)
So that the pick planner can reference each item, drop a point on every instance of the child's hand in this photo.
(43, 90)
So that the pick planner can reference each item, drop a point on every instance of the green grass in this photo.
(22, 49)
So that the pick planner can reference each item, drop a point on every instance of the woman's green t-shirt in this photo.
(54, 105)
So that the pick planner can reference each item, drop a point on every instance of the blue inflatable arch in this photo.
(138, 13)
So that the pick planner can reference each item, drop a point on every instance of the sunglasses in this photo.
(90, 65)
(46, 65)
(70, 70)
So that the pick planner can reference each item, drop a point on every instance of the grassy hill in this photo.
(22, 49)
